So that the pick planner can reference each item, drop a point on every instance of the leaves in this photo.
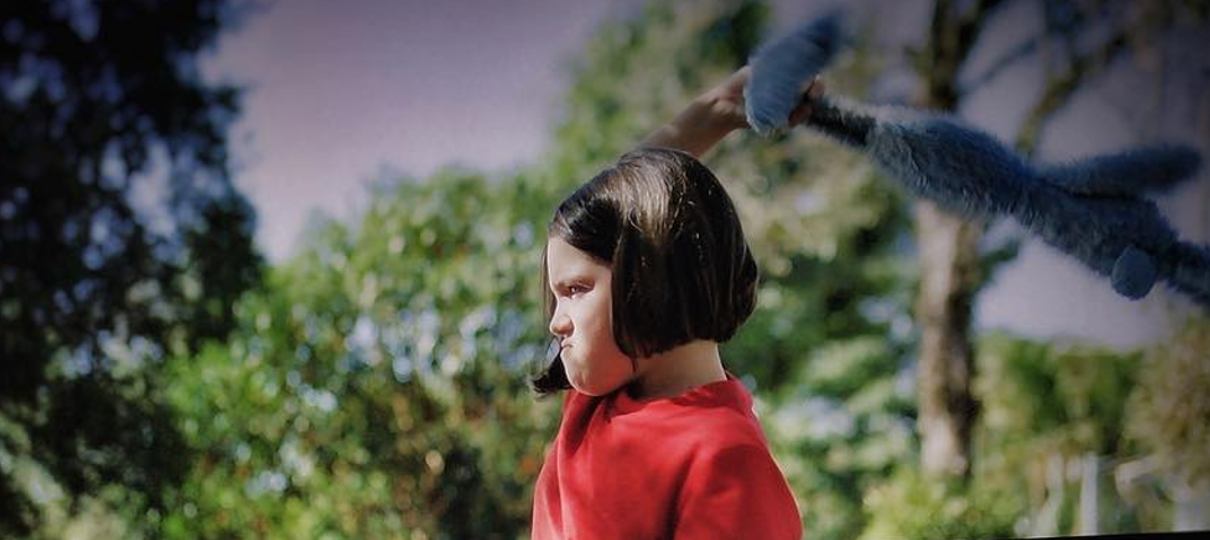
(378, 381)
(1168, 410)
(101, 100)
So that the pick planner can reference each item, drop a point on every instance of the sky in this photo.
(342, 93)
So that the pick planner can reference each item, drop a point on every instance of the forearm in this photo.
(696, 129)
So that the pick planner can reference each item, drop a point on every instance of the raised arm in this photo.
(714, 114)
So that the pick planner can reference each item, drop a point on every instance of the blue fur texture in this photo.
(785, 64)
(1133, 172)
(1092, 209)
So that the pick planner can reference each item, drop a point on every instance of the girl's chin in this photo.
(589, 387)
(583, 387)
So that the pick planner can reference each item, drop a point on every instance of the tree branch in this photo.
(971, 26)
(952, 39)
(1062, 87)
(1004, 62)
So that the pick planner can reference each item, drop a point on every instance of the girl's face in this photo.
(583, 320)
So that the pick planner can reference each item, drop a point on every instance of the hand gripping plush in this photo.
(1092, 209)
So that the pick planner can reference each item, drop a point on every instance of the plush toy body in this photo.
(1092, 209)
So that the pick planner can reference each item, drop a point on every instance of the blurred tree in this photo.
(100, 101)
(1082, 39)
(376, 387)
(1170, 418)
(1046, 406)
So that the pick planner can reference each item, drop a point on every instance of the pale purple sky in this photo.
(341, 91)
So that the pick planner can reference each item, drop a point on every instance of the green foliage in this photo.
(1044, 404)
(912, 505)
(636, 73)
(1041, 398)
(376, 387)
(101, 99)
(1169, 413)
(842, 425)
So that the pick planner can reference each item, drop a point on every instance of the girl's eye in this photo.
(576, 289)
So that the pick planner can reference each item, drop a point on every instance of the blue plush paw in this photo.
(781, 68)
(1133, 274)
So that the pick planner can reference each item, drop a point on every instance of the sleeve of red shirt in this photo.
(737, 492)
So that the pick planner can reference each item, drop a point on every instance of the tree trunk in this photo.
(949, 270)
(949, 262)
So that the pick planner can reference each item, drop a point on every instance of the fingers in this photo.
(802, 111)
(736, 82)
(815, 90)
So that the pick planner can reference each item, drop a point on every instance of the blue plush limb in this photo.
(1184, 266)
(1133, 172)
(1090, 209)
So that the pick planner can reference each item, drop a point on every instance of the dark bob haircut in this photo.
(681, 268)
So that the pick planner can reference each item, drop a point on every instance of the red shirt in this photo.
(692, 466)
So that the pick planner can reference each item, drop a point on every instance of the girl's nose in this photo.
(560, 324)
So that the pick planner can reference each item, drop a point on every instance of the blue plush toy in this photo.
(1092, 209)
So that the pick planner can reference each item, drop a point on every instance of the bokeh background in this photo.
(269, 269)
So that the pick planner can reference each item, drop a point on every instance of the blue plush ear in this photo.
(1132, 172)
(785, 64)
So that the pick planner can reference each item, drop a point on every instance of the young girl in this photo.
(648, 271)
